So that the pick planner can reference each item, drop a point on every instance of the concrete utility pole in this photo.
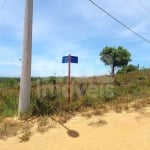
(25, 82)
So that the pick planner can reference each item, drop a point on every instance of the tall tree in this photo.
(115, 57)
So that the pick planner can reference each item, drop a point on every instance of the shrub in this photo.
(44, 105)
(8, 105)
(88, 102)
(107, 94)
(128, 68)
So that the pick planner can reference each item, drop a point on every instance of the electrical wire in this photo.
(117, 20)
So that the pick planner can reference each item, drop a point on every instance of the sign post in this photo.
(69, 81)
(69, 59)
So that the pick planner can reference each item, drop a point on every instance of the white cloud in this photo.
(76, 27)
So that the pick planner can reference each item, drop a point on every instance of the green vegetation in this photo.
(128, 68)
(115, 57)
(49, 95)
(9, 88)
(124, 91)
(128, 89)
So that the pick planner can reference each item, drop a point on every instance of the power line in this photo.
(125, 26)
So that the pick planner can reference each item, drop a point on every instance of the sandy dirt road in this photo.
(112, 131)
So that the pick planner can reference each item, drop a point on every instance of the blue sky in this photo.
(76, 27)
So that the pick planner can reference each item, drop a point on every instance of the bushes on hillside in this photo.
(128, 68)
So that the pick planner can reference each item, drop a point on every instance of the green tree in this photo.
(128, 68)
(115, 57)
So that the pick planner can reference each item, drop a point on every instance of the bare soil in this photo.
(111, 131)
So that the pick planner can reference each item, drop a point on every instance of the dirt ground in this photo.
(111, 131)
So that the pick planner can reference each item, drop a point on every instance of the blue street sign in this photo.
(74, 59)
(65, 59)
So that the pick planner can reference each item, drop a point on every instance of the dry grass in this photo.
(87, 114)
(26, 132)
(25, 136)
(95, 111)
(98, 112)
(140, 103)
(126, 107)
(44, 123)
(118, 108)
(98, 123)
(64, 118)
(9, 128)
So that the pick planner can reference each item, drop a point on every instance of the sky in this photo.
(76, 27)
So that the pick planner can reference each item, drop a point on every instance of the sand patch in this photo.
(116, 131)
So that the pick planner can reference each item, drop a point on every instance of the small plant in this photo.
(44, 124)
(52, 124)
(137, 106)
(44, 105)
(9, 128)
(8, 105)
(43, 121)
(107, 94)
(88, 101)
(97, 112)
(26, 132)
(25, 137)
(126, 107)
(100, 122)
(141, 78)
(118, 108)
(87, 115)
(64, 118)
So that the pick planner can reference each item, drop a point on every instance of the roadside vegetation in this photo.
(123, 92)
(126, 89)
(49, 95)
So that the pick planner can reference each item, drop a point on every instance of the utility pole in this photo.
(25, 81)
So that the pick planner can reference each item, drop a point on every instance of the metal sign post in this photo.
(69, 59)
(69, 81)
